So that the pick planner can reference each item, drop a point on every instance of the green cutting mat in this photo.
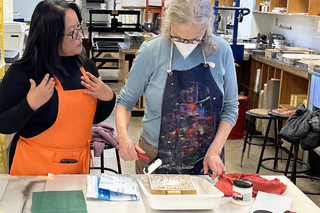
(58, 202)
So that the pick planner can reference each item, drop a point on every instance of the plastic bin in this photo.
(238, 131)
(207, 197)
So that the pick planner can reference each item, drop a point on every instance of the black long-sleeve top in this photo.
(17, 116)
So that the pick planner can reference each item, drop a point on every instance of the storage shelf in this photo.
(136, 109)
(286, 106)
(285, 14)
(292, 81)
(294, 7)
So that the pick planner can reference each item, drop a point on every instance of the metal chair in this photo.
(101, 167)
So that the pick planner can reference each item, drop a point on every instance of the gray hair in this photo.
(199, 12)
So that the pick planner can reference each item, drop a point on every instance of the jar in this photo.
(242, 192)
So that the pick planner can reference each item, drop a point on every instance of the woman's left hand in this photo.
(97, 88)
(212, 160)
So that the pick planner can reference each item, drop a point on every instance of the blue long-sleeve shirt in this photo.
(149, 72)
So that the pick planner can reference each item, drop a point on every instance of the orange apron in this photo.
(68, 138)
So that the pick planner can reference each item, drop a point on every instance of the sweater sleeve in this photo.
(137, 79)
(15, 111)
(230, 104)
(104, 108)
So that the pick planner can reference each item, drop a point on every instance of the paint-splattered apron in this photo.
(191, 106)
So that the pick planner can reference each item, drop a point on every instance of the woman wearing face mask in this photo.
(188, 78)
(52, 96)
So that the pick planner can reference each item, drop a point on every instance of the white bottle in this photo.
(228, 25)
(231, 26)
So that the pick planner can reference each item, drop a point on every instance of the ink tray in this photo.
(207, 196)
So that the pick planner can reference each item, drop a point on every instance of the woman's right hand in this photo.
(128, 148)
(39, 95)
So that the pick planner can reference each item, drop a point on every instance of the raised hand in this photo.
(97, 88)
(39, 95)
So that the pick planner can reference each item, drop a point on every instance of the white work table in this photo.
(17, 196)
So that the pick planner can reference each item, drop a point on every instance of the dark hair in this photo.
(45, 36)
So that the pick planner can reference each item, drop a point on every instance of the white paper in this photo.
(119, 184)
(66, 183)
(257, 81)
(271, 202)
(4, 179)
(113, 188)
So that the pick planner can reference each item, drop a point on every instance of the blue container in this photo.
(18, 19)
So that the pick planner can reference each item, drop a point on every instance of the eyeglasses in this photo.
(74, 34)
(187, 41)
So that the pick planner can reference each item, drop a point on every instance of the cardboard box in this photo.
(148, 36)
(271, 53)
(297, 99)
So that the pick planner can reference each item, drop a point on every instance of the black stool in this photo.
(253, 114)
(295, 143)
(102, 168)
(278, 116)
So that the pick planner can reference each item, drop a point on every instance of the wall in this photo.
(303, 28)
(142, 3)
(303, 33)
(88, 6)
(26, 7)
(245, 25)
(8, 10)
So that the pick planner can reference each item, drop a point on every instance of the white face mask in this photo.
(185, 49)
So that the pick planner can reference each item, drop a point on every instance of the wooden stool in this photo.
(253, 114)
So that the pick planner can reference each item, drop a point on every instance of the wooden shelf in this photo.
(292, 81)
(277, 3)
(298, 6)
(314, 8)
(227, 3)
(286, 106)
(244, 86)
(138, 109)
(283, 14)
(294, 7)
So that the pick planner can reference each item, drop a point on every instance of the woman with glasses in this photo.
(51, 96)
(188, 78)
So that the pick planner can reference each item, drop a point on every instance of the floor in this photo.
(233, 154)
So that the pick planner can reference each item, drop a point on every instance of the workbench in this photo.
(17, 196)
(293, 80)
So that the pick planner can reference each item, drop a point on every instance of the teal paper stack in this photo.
(58, 202)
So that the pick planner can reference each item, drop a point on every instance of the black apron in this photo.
(191, 106)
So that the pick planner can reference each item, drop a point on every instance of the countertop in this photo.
(260, 55)
(18, 195)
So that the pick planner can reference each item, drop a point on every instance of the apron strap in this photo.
(204, 57)
(170, 61)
